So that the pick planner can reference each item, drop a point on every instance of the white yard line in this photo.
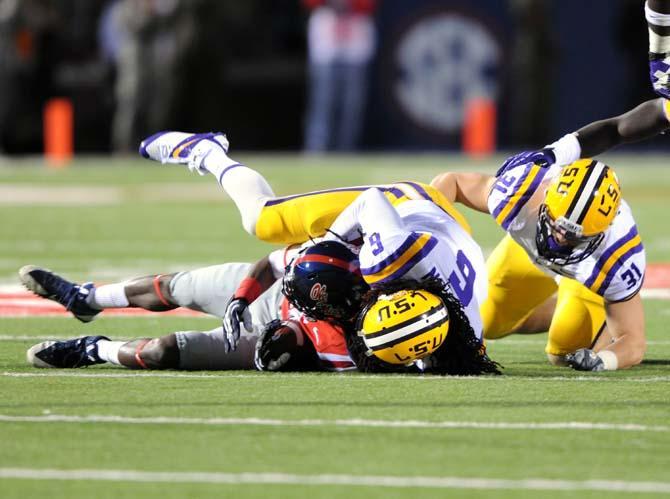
(432, 482)
(362, 423)
(223, 375)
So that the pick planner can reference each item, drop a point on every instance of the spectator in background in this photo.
(341, 41)
(533, 53)
(154, 37)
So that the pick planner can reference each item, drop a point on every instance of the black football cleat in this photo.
(80, 352)
(53, 287)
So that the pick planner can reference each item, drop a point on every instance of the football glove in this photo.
(659, 72)
(585, 359)
(544, 157)
(237, 312)
(281, 348)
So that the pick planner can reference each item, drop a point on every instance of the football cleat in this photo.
(183, 148)
(51, 286)
(80, 352)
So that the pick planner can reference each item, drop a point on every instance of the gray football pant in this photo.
(209, 290)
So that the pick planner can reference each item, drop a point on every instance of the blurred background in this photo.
(318, 75)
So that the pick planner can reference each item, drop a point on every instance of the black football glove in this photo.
(237, 312)
(585, 359)
(280, 348)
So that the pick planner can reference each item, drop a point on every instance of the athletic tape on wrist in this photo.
(567, 149)
(249, 289)
(610, 360)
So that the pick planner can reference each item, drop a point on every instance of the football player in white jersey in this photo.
(314, 345)
(568, 231)
(418, 235)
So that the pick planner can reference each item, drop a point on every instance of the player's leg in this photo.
(578, 322)
(187, 350)
(516, 289)
(192, 350)
(207, 290)
(181, 350)
(85, 301)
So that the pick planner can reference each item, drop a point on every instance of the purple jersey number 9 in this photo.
(463, 281)
(376, 243)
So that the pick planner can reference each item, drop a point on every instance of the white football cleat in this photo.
(183, 148)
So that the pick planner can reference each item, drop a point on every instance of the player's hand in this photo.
(237, 312)
(659, 72)
(585, 359)
(273, 345)
(544, 157)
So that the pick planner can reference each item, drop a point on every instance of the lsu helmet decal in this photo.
(405, 326)
(579, 206)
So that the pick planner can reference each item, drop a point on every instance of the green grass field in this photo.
(537, 431)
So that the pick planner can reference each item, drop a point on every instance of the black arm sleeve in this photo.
(643, 122)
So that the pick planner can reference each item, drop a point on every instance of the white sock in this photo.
(246, 187)
(108, 296)
(109, 351)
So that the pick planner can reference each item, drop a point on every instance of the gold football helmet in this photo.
(579, 206)
(405, 326)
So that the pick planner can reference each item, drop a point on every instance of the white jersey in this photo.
(615, 270)
(415, 240)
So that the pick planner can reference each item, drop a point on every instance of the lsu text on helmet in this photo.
(579, 206)
(405, 326)
(324, 281)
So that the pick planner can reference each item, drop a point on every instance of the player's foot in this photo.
(183, 148)
(51, 286)
(80, 352)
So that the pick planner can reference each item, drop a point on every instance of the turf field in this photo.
(537, 431)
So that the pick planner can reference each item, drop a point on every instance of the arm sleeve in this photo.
(370, 212)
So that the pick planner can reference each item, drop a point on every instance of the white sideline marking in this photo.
(223, 375)
(341, 480)
(364, 423)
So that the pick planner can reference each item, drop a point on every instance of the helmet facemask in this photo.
(579, 207)
(575, 246)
